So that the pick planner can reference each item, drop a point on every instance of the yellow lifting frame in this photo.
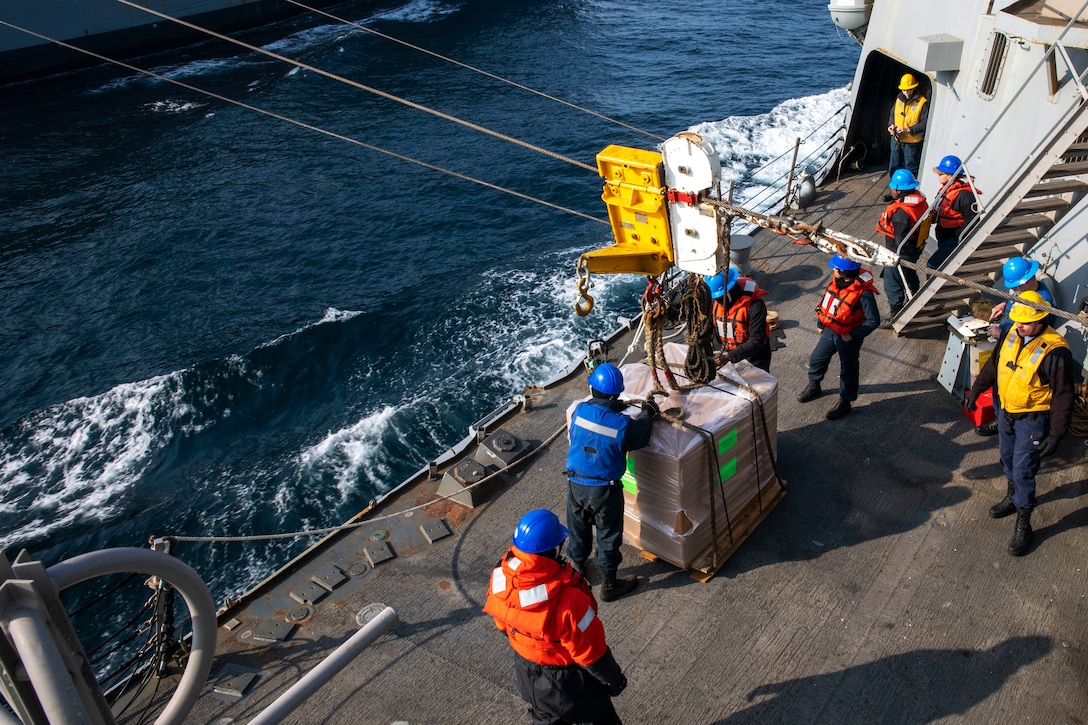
(634, 192)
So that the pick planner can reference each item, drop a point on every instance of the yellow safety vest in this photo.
(906, 115)
(1018, 383)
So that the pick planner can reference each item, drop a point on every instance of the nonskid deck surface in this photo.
(878, 590)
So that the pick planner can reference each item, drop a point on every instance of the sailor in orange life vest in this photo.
(1033, 368)
(565, 670)
(740, 319)
(846, 315)
(906, 212)
(907, 126)
(955, 210)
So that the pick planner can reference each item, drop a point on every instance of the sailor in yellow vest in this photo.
(907, 126)
(1034, 372)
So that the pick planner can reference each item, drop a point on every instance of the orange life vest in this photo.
(840, 309)
(733, 323)
(546, 609)
(947, 217)
(914, 204)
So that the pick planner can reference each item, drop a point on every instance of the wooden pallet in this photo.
(703, 567)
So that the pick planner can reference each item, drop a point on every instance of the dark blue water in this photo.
(218, 323)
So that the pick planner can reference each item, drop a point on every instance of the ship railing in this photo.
(779, 192)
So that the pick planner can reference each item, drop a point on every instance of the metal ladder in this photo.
(1053, 182)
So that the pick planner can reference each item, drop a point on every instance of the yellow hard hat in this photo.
(1025, 314)
(907, 82)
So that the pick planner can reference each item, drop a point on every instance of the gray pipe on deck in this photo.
(286, 703)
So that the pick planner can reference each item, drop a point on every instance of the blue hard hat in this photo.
(606, 378)
(716, 284)
(949, 165)
(734, 275)
(903, 180)
(1018, 270)
(539, 531)
(843, 263)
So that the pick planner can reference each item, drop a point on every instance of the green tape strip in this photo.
(727, 441)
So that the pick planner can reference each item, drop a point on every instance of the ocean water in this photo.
(219, 323)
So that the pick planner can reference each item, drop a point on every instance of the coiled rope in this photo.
(1078, 424)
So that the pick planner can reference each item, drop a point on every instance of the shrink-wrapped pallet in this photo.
(670, 484)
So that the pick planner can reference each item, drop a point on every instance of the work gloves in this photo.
(1048, 446)
(607, 670)
(651, 405)
(971, 404)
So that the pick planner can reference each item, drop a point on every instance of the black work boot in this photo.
(840, 410)
(1004, 507)
(614, 588)
(1021, 535)
(580, 567)
(811, 392)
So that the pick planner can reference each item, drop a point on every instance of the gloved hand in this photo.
(1048, 446)
(971, 404)
(617, 686)
(651, 405)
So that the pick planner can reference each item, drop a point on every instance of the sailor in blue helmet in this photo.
(602, 431)
(1020, 275)
(847, 313)
(740, 319)
(565, 669)
(905, 227)
(954, 211)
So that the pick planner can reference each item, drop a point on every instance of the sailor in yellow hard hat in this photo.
(907, 125)
(1033, 368)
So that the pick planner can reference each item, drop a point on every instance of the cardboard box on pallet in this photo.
(670, 484)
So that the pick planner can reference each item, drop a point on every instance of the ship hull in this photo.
(115, 30)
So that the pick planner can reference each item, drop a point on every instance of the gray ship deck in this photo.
(877, 591)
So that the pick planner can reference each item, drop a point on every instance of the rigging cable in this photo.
(473, 69)
(363, 87)
(303, 124)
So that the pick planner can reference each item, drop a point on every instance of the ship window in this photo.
(991, 68)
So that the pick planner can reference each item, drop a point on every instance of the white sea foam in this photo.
(172, 106)
(80, 457)
(764, 143)
(331, 315)
(350, 453)
(418, 11)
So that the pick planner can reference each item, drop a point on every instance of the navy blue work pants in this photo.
(849, 354)
(600, 507)
(905, 156)
(893, 282)
(1019, 439)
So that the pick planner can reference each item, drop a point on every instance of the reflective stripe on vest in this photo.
(498, 581)
(597, 428)
(596, 456)
(536, 595)
(840, 309)
(586, 620)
